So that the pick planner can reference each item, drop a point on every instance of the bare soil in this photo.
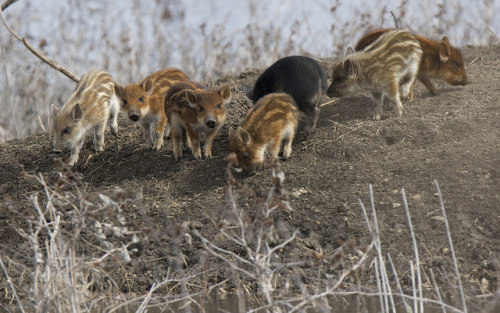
(453, 137)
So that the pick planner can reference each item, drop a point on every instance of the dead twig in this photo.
(38, 53)
(40, 123)
(9, 281)
(7, 3)
(395, 20)
(351, 131)
(328, 102)
(452, 249)
(493, 32)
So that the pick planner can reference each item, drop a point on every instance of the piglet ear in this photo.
(243, 136)
(147, 84)
(54, 109)
(444, 49)
(118, 89)
(350, 68)
(248, 90)
(192, 99)
(77, 112)
(349, 51)
(225, 93)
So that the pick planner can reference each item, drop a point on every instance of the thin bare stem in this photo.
(395, 19)
(452, 249)
(388, 288)
(378, 248)
(407, 307)
(9, 281)
(284, 243)
(354, 267)
(436, 288)
(210, 247)
(379, 287)
(414, 287)
(415, 249)
(493, 32)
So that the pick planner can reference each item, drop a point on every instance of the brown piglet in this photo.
(143, 102)
(389, 64)
(195, 113)
(269, 124)
(90, 107)
(440, 60)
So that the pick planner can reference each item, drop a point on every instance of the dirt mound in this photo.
(453, 137)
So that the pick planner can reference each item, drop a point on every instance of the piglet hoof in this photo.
(178, 159)
(55, 153)
(376, 117)
(399, 113)
(308, 131)
(70, 161)
(114, 131)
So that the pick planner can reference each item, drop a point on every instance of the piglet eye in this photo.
(125, 102)
(219, 106)
(202, 109)
(67, 130)
(457, 64)
(141, 99)
(245, 155)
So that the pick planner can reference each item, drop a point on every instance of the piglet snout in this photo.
(465, 81)
(211, 123)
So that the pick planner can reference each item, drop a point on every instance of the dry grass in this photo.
(77, 240)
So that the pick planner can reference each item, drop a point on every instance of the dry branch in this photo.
(396, 24)
(35, 51)
(7, 3)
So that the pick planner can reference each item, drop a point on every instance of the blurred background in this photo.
(206, 39)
